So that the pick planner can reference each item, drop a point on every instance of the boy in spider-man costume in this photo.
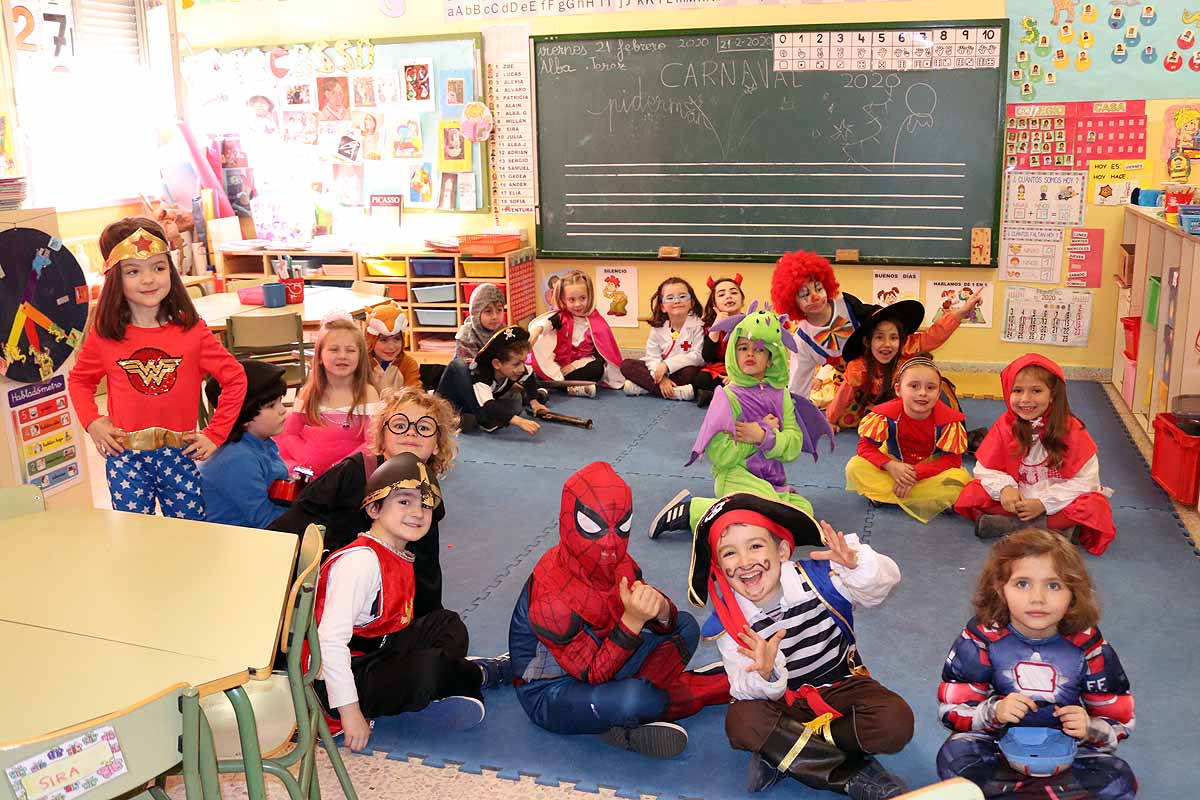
(594, 649)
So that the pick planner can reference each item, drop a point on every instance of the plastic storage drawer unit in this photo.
(386, 267)
(432, 267)
(437, 317)
(438, 293)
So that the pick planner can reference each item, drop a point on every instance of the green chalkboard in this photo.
(746, 143)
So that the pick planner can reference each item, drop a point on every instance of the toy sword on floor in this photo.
(550, 416)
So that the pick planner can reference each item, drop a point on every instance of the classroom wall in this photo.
(254, 23)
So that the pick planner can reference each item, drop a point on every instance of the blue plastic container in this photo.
(1038, 752)
(1149, 197)
(274, 295)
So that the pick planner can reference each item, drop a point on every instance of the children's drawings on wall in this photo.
(616, 295)
(454, 150)
(1061, 317)
(1046, 198)
(1068, 50)
(889, 287)
(944, 296)
(1031, 253)
(1181, 140)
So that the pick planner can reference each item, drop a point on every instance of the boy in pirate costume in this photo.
(491, 393)
(803, 705)
(376, 659)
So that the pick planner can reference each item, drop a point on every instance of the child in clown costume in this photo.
(594, 649)
(753, 425)
(804, 288)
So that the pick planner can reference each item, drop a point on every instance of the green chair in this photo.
(224, 732)
(156, 736)
(16, 501)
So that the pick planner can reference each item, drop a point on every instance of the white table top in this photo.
(319, 301)
(186, 601)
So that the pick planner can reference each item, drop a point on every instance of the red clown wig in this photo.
(794, 270)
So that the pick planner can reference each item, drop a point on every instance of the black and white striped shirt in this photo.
(814, 647)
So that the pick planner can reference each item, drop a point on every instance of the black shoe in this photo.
(497, 670)
(996, 526)
(760, 775)
(703, 397)
(875, 503)
(975, 438)
(654, 739)
(873, 782)
(467, 422)
(674, 516)
(543, 395)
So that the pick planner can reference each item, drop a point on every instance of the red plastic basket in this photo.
(1133, 329)
(488, 244)
(1176, 462)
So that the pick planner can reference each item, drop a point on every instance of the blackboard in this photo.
(742, 144)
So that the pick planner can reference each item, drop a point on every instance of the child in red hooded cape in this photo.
(1037, 467)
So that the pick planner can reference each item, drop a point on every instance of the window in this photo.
(90, 103)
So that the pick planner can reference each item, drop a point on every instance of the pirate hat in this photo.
(404, 471)
(906, 314)
(501, 338)
(264, 385)
(705, 578)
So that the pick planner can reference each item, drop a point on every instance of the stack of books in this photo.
(12, 193)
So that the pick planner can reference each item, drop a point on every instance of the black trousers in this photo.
(424, 662)
(591, 371)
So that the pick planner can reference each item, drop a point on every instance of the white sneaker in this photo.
(684, 392)
(633, 390)
(582, 391)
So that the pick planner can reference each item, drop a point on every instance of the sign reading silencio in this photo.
(69, 769)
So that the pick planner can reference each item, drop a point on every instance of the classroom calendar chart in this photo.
(1044, 198)
(1060, 317)
(891, 50)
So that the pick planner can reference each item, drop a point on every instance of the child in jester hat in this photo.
(753, 425)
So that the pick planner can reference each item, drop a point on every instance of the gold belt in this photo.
(154, 438)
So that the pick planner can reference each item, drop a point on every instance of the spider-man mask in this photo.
(593, 523)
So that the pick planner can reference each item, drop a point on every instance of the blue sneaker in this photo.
(456, 713)
(674, 516)
(497, 670)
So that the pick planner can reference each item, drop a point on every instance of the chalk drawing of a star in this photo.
(843, 131)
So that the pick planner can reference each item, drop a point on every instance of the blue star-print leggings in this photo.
(137, 478)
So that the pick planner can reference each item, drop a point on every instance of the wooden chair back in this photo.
(366, 287)
(16, 501)
(312, 546)
(278, 338)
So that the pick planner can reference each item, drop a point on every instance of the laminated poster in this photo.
(944, 296)
(1031, 253)
(892, 287)
(1044, 198)
(1085, 257)
(616, 296)
(1111, 183)
(1059, 317)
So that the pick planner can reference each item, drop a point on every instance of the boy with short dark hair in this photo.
(236, 479)
(376, 660)
(492, 393)
(803, 705)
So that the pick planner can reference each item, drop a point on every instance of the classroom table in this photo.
(100, 609)
(319, 301)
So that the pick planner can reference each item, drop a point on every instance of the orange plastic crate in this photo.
(488, 244)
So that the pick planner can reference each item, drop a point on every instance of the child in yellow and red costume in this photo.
(910, 450)
(391, 366)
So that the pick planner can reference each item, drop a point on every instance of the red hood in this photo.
(1009, 376)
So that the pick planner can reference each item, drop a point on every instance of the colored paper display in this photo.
(1057, 135)
(1085, 257)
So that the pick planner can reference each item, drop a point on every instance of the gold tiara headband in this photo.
(139, 244)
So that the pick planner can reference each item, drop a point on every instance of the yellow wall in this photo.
(255, 23)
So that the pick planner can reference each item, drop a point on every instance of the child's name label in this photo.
(69, 769)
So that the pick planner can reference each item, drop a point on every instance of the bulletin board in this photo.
(344, 124)
(1102, 50)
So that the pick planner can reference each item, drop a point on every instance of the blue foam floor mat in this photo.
(502, 502)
